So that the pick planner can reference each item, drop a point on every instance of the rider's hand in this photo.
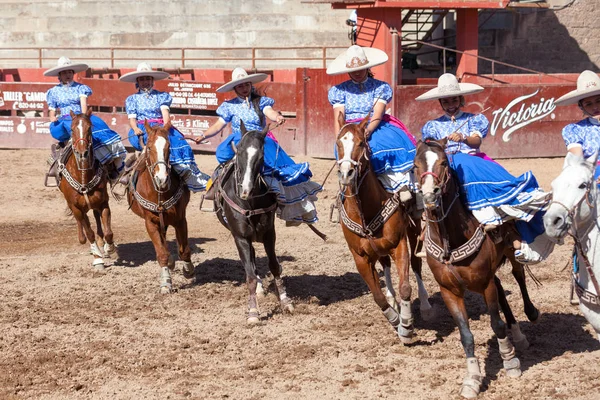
(53, 119)
(456, 137)
(138, 131)
(280, 119)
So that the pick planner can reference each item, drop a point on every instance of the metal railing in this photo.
(184, 57)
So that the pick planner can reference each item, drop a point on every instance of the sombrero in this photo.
(65, 64)
(448, 86)
(144, 69)
(588, 85)
(239, 76)
(356, 58)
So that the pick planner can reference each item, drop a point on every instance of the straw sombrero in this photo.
(588, 85)
(144, 69)
(448, 86)
(239, 76)
(355, 59)
(65, 64)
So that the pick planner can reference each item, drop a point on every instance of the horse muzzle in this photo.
(346, 176)
(556, 224)
(431, 200)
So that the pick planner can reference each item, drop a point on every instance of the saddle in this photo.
(59, 155)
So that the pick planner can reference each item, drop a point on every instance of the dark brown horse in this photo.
(376, 226)
(84, 184)
(462, 256)
(157, 194)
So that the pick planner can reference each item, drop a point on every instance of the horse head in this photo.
(157, 155)
(574, 194)
(81, 138)
(431, 168)
(351, 146)
(249, 160)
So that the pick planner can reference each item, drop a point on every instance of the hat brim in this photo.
(574, 96)
(374, 56)
(464, 89)
(131, 77)
(57, 70)
(252, 78)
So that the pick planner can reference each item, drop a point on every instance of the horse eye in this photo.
(583, 185)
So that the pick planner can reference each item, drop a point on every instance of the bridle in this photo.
(79, 160)
(440, 183)
(573, 210)
(151, 167)
(258, 179)
(358, 164)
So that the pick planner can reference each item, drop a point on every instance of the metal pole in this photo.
(40, 57)
(253, 59)
(324, 54)
(112, 58)
(182, 58)
(394, 82)
(444, 56)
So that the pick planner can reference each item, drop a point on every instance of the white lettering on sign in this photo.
(514, 117)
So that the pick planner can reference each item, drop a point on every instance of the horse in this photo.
(246, 207)
(84, 184)
(462, 255)
(574, 210)
(376, 226)
(160, 197)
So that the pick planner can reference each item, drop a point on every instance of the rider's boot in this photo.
(210, 187)
(55, 153)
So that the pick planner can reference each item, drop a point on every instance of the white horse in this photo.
(574, 210)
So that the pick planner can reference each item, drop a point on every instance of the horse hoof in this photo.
(537, 318)
(188, 270)
(288, 308)
(470, 388)
(428, 314)
(406, 335)
(171, 262)
(109, 249)
(513, 367)
(253, 317)
(522, 344)
(513, 373)
(98, 264)
(165, 290)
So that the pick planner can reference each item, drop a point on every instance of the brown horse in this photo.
(157, 194)
(463, 256)
(84, 185)
(376, 226)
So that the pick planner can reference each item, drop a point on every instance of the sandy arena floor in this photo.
(68, 332)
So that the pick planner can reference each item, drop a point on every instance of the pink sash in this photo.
(394, 121)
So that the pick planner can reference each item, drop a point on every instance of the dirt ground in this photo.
(68, 332)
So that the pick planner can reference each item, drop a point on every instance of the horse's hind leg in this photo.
(248, 258)
(416, 263)
(109, 244)
(518, 272)
(519, 340)
(390, 293)
(512, 365)
(406, 329)
(185, 255)
(162, 255)
(275, 268)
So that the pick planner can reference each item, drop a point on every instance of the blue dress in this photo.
(584, 134)
(296, 193)
(147, 106)
(393, 152)
(66, 98)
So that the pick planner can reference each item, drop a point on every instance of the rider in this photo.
(69, 96)
(492, 194)
(392, 146)
(583, 138)
(151, 105)
(296, 193)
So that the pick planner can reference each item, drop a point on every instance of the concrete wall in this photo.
(172, 23)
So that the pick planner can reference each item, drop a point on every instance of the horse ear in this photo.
(168, 125)
(242, 127)
(341, 119)
(72, 114)
(146, 125)
(88, 112)
(266, 129)
(593, 159)
(572, 159)
(363, 123)
(443, 142)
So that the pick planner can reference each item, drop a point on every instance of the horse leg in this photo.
(162, 255)
(518, 272)
(181, 232)
(520, 341)
(512, 365)
(248, 257)
(367, 271)
(99, 230)
(406, 329)
(416, 263)
(390, 293)
(84, 225)
(109, 244)
(456, 305)
(275, 268)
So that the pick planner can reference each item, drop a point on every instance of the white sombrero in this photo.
(355, 59)
(144, 69)
(588, 85)
(239, 76)
(448, 86)
(65, 64)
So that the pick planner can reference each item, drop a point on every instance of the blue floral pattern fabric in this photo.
(358, 98)
(234, 110)
(146, 105)
(67, 98)
(465, 123)
(585, 133)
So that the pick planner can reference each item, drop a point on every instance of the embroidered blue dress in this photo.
(393, 152)
(66, 98)
(491, 193)
(296, 193)
(584, 134)
(147, 106)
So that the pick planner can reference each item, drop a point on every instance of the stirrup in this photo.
(202, 198)
(48, 176)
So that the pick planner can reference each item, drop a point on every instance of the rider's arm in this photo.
(215, 128)
(83, 101)
(166, 115)
(336, 112)
(52, 115)
(378, 111)
(274, 115)
(134, 126)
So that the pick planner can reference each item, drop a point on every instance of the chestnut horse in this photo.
(160, 197)
(463, 256)
(376, 225)
(84, 184)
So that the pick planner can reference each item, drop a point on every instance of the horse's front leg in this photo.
(185, 255)
(416, 263)
(518, 272)
(390, 293)
(162, 254)
(109, 244)
(84, 225)
(519, 339)
(247, 257)
(406, 330)
(269, 238)
(456, 305)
